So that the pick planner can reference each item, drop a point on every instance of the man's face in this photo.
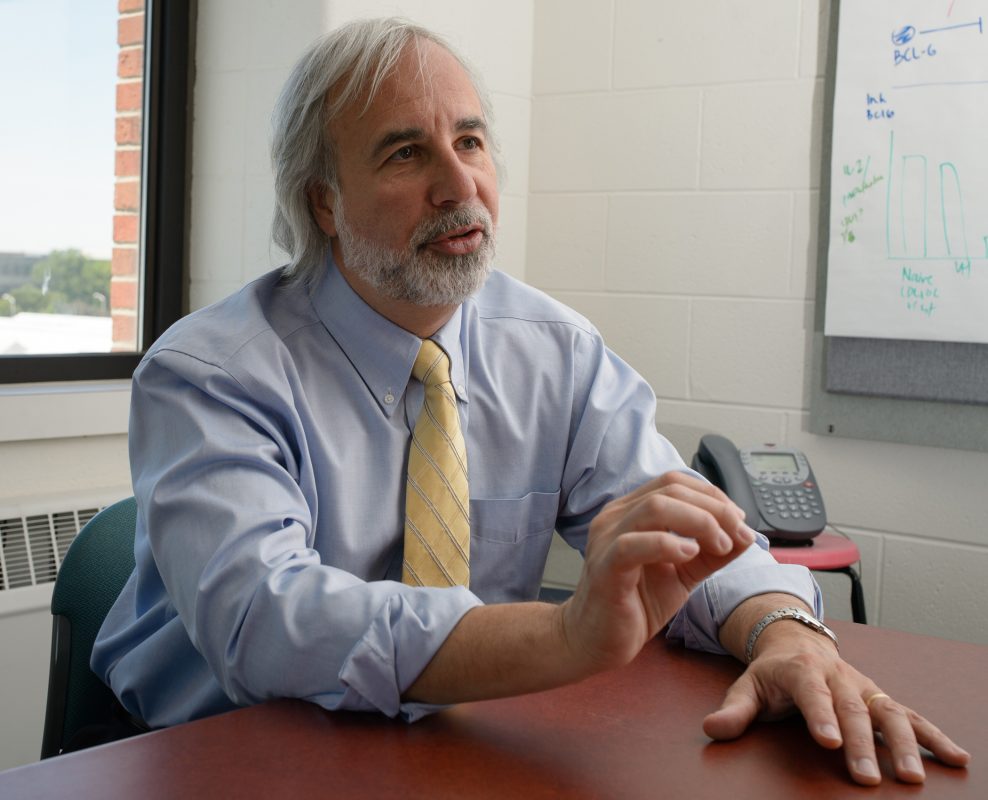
(416, 212)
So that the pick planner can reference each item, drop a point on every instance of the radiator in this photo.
(34, 538)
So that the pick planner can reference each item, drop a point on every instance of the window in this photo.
(93, 200)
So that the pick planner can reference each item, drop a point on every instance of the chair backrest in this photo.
(93, 573)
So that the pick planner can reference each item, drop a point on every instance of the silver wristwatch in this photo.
(790, 612)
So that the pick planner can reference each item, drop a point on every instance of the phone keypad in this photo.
(792, 502)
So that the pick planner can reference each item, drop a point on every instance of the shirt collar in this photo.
(381, 352)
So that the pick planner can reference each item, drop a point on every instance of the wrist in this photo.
(736, 629)
(586, 654)
(787, 628)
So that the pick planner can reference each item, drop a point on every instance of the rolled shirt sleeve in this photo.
(231, 602)
(617, 448)
(754, 572)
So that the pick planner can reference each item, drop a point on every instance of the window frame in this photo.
(169, 39)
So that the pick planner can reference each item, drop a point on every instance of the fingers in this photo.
(716, 526)
(902, 729)
(890, 718)
(858, 735)
(841, 707)
(817, 703)
(937, 742)
(670, 480)
(739, 709)
(638, 548)
(681, 478)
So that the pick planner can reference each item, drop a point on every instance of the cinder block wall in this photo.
(674, 180)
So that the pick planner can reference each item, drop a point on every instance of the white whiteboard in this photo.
(908, 238)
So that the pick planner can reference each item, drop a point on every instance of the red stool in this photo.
(828, 552)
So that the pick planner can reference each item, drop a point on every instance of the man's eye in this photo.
(403, 153)
(470, 143)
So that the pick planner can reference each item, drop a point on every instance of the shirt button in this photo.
(389, 398)
(460, 388)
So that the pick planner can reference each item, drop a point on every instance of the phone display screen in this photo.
(773, 462)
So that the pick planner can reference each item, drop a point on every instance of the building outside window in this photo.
(86, 193)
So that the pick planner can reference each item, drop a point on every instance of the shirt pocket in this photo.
(509, 543)
(513, 519)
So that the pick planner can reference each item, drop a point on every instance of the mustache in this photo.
(430, 229)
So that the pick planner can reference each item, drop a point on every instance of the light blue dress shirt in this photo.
(268, 440)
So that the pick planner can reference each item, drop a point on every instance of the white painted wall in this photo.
(675, 171)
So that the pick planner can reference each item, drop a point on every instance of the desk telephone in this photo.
(773, 485)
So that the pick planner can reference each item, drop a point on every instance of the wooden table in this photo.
(632, 733)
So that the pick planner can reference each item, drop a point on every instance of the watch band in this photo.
(790, 612)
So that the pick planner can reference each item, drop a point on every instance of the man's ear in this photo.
(321, 200)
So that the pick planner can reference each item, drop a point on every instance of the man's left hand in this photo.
(796, 668)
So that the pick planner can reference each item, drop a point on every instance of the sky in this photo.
(57, 106)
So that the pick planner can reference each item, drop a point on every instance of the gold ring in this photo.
(875, 697)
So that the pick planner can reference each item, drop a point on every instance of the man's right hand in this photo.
(645, 553)
(637, 574)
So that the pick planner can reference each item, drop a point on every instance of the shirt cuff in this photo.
(400, 642)
(754, 572)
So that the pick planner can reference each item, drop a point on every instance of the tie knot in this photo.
(432, 364)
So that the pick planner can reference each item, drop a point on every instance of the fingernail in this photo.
(689, 547)
(911, 764)
(867, 767)
(747, 534)
(725, 542)
(830, 732)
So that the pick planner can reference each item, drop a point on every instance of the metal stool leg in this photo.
(857, 595)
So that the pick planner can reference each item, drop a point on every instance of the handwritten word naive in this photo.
(918, 291)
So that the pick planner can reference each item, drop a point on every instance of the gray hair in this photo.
(355, 58)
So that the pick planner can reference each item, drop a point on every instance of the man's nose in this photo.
(453, 181)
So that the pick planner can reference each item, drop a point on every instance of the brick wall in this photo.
(124, 283)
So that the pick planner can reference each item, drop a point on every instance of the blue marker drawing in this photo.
(936, 83)
(903, 36)
(977, 24)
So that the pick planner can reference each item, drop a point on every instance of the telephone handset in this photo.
(773, 485)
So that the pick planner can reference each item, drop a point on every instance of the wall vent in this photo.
(32, 546)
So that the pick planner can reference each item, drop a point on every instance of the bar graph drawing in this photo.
(908, 240)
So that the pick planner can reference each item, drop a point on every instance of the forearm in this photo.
(499, 651)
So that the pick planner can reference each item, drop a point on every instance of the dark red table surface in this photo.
(631, 733)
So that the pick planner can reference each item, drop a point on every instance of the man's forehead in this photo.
(424, 69)
(427, 81)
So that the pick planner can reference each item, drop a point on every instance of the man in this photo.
(283, 551)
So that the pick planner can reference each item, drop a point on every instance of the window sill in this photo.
(62, 411)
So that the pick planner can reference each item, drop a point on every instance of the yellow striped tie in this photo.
(437, 497)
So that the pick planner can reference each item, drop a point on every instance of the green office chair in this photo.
(93, 572)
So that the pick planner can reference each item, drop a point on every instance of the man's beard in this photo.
(416, 274)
